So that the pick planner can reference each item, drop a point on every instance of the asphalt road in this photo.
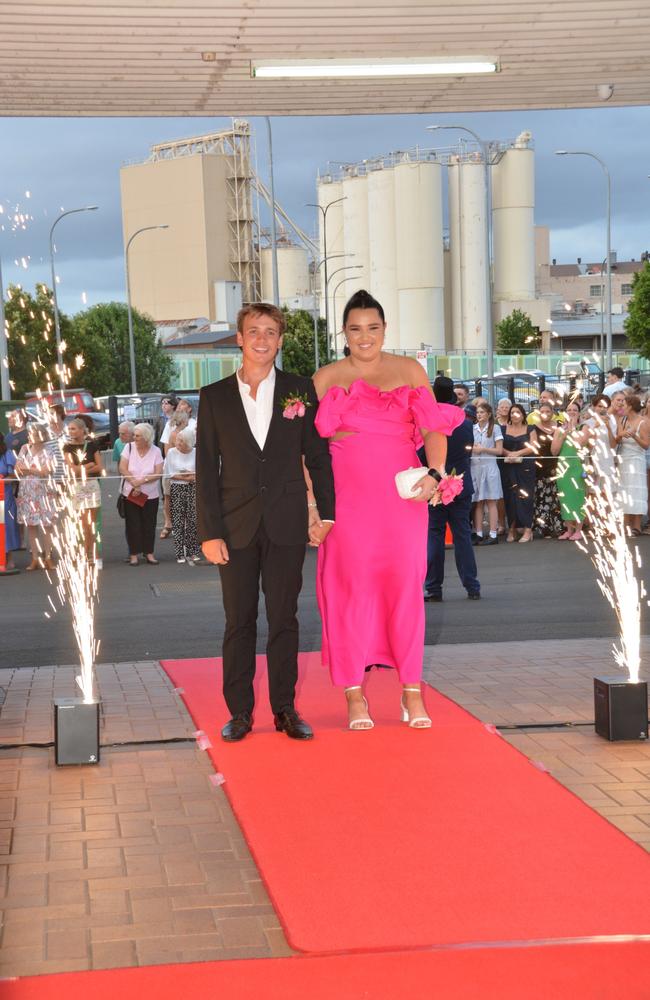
(537, 591)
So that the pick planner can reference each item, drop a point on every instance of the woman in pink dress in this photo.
(376, 409)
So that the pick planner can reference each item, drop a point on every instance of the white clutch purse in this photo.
(406, 480)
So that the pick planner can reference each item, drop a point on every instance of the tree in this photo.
(637, 323)
(298, 342)
(516, 333)
(101, 335)
(31, 347)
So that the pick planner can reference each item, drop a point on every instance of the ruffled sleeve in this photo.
(330, 411)
(431, 415)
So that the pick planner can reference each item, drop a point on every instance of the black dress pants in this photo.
(141, 526)
(280, 569)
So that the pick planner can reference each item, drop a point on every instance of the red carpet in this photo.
(405, 864)
(578, 972)
(398, 839)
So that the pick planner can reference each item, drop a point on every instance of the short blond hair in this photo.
(262, 309)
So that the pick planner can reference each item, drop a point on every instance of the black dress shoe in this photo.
(288, 721)
(490, 540)
(433, 598)
(238, 727)
(474, 595)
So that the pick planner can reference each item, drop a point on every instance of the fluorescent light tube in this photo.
(318, 69)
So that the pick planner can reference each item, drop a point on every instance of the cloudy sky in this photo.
(67, 163)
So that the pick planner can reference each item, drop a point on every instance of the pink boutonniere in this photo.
(449, 488)
(294, 406)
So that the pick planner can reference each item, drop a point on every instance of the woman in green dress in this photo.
(568, 440)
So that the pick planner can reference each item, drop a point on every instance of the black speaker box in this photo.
(621, 708)
(76, 731)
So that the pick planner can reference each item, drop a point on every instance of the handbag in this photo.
(121, 499)
(406, 480)
(139, 499)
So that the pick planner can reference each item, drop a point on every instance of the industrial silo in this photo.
(293, 273)
(329, 194)
(468, 246)
(382, 242)
(418, 243)
(513, 231)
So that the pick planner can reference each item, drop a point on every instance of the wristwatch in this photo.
(434, 475)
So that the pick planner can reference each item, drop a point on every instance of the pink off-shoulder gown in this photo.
(372, 565)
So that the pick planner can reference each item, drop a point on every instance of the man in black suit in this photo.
(252, 512)
(456, 514)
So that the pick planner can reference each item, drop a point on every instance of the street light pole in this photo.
(336, 288)
(144, 229)
(347, 267)
(489, 329)
(583, 152)
(5, 388)
(324, 210)
(274, 241)
(55, 301)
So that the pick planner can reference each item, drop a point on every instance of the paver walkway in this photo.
(140, 860)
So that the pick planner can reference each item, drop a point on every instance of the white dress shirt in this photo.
(259, 410)
(613, 387)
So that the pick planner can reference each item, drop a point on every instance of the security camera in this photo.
(605, 91)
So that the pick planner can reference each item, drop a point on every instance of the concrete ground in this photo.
(531, 591)
(140, 860)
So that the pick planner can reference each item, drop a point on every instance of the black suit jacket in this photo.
(239, 485)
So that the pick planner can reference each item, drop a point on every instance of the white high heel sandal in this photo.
(359, 724)
(420, 721)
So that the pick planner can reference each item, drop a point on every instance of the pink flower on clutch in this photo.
(449, 488)
(294, 406)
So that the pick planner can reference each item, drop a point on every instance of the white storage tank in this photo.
(455, 286)
(293, 273)
(419, 251)
(468, 239)
(513, 228)
(383, 259)
(329, 193)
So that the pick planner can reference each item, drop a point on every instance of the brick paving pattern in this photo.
(140, 861)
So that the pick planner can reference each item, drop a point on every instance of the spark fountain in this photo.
(620, 702)
(76, 720)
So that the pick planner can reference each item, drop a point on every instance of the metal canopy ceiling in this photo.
(145, 57)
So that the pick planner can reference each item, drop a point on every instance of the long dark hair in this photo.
(362, 300)
(3, 444)
(518, 406)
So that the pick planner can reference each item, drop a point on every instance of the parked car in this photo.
(76, 402)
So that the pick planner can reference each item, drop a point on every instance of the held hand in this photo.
(216, 551)
(427, 487)
(318, 532)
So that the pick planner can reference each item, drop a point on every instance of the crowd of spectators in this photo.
(50, 463)
(532, 467)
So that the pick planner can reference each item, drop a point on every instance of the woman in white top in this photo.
(488, 445)
(603, 442)
(633, 438)
(180, 468)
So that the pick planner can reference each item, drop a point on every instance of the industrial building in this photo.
(410, 226)
(202, 189)
(386, 232)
